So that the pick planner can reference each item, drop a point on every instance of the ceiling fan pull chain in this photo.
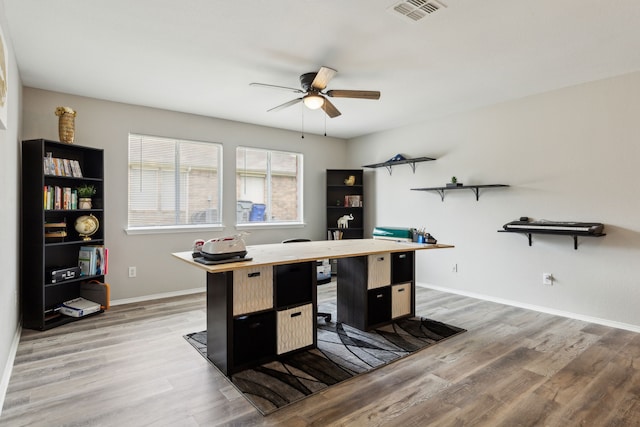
(325, 125)
(302, 119)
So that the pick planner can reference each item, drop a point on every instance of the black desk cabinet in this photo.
(366, 300)
(247, 339)
(254, 338)
(288, 289)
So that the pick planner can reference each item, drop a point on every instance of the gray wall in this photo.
(106, 125)
(569, 155)
(9, 217)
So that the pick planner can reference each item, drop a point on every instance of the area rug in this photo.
(343, 352)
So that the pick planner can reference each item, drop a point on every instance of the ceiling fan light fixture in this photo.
(313, 102)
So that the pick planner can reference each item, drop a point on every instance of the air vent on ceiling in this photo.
(415, 10)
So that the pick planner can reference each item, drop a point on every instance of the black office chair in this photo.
(326, 316)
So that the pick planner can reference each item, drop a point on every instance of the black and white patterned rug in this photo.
(343, 352)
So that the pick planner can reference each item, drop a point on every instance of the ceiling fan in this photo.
(313, 85)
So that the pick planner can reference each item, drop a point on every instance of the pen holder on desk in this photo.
(423, 237)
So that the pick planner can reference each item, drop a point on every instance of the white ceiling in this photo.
(199, 56)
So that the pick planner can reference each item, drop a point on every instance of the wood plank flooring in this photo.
(514, 367)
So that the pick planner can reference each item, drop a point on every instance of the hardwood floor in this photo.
(514, 367)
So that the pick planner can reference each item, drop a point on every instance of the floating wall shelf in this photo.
(474, 188)
(573, 234)
(390, 164)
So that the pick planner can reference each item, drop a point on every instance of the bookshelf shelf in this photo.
(40, 254)
(74, 243)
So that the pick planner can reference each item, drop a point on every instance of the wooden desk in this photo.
(260, 309)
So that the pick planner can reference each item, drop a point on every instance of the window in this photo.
(268, 186)
(174, 182)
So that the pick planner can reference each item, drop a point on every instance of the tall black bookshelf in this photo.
(345, 189)
(45, 248)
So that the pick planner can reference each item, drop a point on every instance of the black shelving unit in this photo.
(474, 188)
(40, 254)
(390, 164)
(337, 189)
(365, 305)
(241, 335)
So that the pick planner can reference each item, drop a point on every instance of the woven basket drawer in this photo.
(379, 269)
(252, 289)
(295, 328)
(400, 300)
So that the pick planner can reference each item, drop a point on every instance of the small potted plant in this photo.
(454, 182)
(85, 192)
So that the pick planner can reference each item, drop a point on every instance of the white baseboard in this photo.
(158, 296)
(541, 309)
(8, 368)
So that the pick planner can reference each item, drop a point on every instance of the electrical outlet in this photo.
(547, 279)
(132, 272)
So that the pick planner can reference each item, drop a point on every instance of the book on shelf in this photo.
(85, 261)
(57, 203)
(67, 167)
(75, 168)
(353, 201)
(48, 164)
(58, 170)
(55, 197)
(334, 235)
(74, 199)
(66, 198)
(61, 167)
(93, 260)
(46, 197)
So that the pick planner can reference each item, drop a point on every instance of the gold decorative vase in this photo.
(66, 124)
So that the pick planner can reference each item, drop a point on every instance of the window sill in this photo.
(174, 229)
(271, 225)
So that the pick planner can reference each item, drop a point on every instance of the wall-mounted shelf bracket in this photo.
(474, 188)
(572, 235)
(389, 164)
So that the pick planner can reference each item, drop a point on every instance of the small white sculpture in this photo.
(343, 221)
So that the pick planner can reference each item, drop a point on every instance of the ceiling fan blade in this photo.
(322, 78)
(290, 89)
(285, 105)
(361, 94)
(330, 109)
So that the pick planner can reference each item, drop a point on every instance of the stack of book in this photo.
(61, 167)
(56, 197)
(93, 260)
(55, 231)
(334, 235)
(353, 201)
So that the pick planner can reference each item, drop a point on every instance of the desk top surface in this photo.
(278, 253)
